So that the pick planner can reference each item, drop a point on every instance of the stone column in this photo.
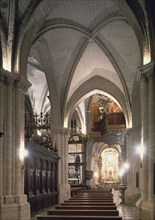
(146, 204)
(2, 110)
(151, 143)
(100, 170)
(61, 139)
(88, 121)
(123, 157)
(9, 135)
(123, 184)
(144, 133)
(13, 202)
(147, 207)
(130, 143)
(21, 86)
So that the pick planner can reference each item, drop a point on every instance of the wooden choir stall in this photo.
(41, 169)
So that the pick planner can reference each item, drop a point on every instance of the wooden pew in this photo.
(73, 217)
(84, 212)
(94, 195)
(99, 207)
(97, 190)
(90, 199)
(89, 203)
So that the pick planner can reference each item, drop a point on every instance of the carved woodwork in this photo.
(41, 174)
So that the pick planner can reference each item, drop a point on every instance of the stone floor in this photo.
(127, 212)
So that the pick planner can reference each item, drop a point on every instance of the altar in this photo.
(109, 181)
(109, 167)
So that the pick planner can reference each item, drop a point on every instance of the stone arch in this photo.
(102, 84)
(0, 54)
(96, 162)
(51, 84)
(110, 164)
(142, 17)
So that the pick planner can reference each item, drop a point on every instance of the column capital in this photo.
(14, 79)
(7, 77)
(145, 72)
(22, 84)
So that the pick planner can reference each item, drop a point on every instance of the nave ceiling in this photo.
(75, 48)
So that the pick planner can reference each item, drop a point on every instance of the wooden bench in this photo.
(95, 193)
(99, 207)
(90, 199)
(97, 190)
(84, 212)
(73, 217)
(88, 195)
(89, 203)
(106, 193)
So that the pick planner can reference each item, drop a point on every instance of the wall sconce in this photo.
(126, 166)
(23, 153)
(123, 170)
(1, 134)
(96, 174)
(141, 150)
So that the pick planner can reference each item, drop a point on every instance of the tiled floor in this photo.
(127, 212)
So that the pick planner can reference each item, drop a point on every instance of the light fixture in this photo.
(140, 150)
(96, 175)
(126, 166)
(23, 153)
(123, 170)
(1, 134)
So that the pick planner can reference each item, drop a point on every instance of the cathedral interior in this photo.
(77, 98)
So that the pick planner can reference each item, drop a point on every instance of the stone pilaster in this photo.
(129, 182)
(12, 196)
(151, 142)
(61, 139)
(123, 156)
(9, 134)
(144, 134)
(148, 128)
(131, 194)
(88, 121)
(21, 86)
(2, 110)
